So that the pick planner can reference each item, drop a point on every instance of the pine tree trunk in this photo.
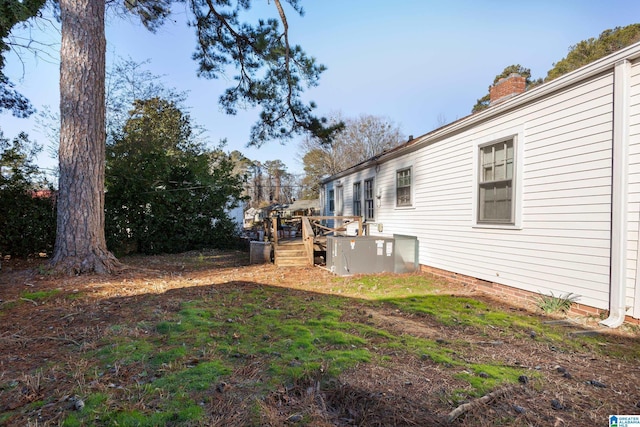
(80, 240)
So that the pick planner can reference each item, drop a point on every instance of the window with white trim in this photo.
(357, 199)
(332, 201)
(495, 183)
(368, 200)
(403, 187)
(339, 200)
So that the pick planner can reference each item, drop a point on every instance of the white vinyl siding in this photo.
(562, 198)
(559, 237)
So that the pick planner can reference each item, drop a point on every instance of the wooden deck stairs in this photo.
(290, 253)
(299, 251)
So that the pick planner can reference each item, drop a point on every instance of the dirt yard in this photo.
(43, 339)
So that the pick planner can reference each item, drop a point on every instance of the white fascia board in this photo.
(595, 68)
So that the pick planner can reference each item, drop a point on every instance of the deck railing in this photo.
(313, 227)
(308, 237)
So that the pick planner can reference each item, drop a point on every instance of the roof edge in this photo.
(594, 68)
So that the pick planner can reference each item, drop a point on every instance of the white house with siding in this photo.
(537, 194)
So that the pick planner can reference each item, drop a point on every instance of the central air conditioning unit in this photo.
(347, 255)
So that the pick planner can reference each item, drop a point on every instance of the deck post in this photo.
(274, 227)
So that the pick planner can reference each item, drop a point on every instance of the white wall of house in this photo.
(561, 239)
(237, 215)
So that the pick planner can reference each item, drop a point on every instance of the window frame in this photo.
(515, 135)
(331, 198)
(369, 202)
(500, 167)
(357, 198)
(339, 200)
(404, 188)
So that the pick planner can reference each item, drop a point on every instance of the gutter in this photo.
(619, 196)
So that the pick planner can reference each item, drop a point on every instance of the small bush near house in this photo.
(556, 304)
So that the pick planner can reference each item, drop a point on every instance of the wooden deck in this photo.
(292, 252)
(300, 251)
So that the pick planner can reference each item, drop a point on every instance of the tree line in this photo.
(166, 189)
(269, 73)
(580, 54)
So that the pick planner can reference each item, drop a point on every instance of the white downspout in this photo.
(636, 310)
(620, 178)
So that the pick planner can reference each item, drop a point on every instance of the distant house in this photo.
(302, 207)
(237, 215)
(256, 216)
(538, 194)
(250, 217)
(45, 194)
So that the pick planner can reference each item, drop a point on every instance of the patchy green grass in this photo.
(40, 295)
(5, 417)
(181, 359)
(422, 296)
(37, 297)
(164, 367)
(125, 350)
(191, 351)
(383, 286)
(484, 378)
(193, 378)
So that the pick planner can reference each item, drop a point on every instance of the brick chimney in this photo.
(506, 88)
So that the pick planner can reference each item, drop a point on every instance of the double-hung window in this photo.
(332, 201)
(403, 187)
(495, 184)
(357, 199)
(368, 200)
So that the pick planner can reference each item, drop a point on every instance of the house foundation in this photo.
(515, 296)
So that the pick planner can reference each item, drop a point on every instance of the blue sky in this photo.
(414, 62)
